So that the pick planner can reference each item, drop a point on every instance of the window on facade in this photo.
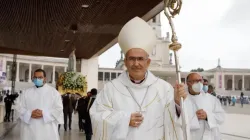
(100, 76)
(107, 76)
(113, 75)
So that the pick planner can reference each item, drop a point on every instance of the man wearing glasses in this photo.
(137, 105)
(204, 110)
(40, 108)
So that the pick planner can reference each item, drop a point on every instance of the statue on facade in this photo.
(219, 66)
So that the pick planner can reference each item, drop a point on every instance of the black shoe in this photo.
(88, 137)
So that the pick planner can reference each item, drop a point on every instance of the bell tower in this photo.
(155, 23)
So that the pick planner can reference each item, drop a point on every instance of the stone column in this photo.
(89, 68)
(30, 69)
(4, 65)
(65, 69)
(54, 75)
(243, 82)
(233, 88)
(110, 76)
(17, 71)
(223, 81)
(42, 67)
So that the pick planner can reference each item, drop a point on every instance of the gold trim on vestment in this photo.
(105, 126)
(172, 123)
(107, 106)
(103, 129)
(167, 105)
(95, 129)
(151, 101)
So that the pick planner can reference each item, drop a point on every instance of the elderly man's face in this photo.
(137, 63)
(193, 78)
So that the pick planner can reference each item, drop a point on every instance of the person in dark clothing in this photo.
(89, 100)
(81, 109)
(68, 107)
(229, 99)
(224, 100)
(8, 103)
(242, 99)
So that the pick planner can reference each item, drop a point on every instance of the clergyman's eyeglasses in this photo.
(139, 59)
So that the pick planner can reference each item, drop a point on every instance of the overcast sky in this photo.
(207, 30)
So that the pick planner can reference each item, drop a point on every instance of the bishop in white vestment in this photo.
(40, 110)
(137, 105)
(204, 111)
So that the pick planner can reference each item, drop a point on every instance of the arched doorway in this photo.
(240, 84)
(26, 76)
(229, 84)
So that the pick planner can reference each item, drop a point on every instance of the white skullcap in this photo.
(136, 33)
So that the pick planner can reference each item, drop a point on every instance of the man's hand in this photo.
(36, 114)
(179, 92)
(201, 114)
(136, 119)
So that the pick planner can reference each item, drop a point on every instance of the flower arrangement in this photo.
(72, 81)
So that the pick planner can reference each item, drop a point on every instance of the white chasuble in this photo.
(111, 111)
(204, 129)
(48, 100)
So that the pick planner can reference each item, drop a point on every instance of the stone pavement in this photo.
(236, 126)
(237, 123)
(74, 134)
(5, 128)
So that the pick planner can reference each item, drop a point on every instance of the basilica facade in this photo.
(227, 81)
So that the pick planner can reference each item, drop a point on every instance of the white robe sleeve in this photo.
(23, 112)
(217, 116)
(56, 112)
(107, 123)
(171, 120)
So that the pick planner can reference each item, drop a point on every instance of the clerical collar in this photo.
(138, 81)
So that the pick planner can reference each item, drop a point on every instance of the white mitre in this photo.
(136, 33)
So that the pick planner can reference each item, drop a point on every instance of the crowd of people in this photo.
(232, 100)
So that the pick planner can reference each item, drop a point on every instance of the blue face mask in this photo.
(205, 88)
(38, 82)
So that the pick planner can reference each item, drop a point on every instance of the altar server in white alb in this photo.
(137, 105)
(204, 111)
(40, 109)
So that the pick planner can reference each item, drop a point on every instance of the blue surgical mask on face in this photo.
(205, 88)
(38, 82)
